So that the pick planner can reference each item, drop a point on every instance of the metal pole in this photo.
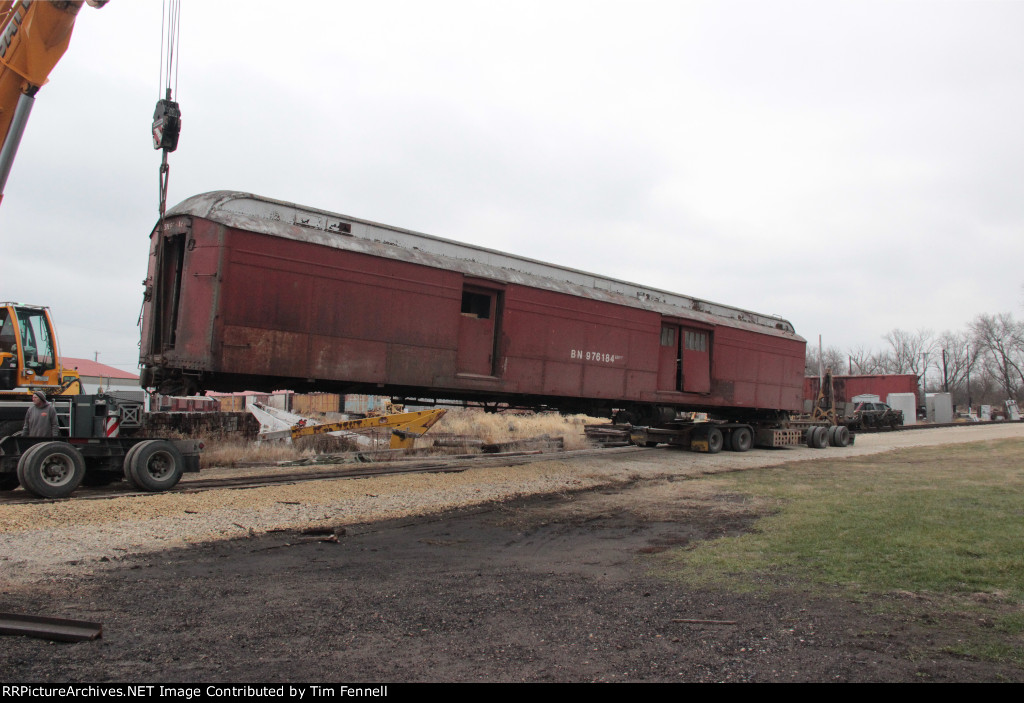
(18, 122)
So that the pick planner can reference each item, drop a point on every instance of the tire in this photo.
(156, 465)
(741, 439)
(715, 440)
(842, 436)
(832, 441)
(817, 438)
(9, 427)
(8, 482)
(51, 470)
(126, 467)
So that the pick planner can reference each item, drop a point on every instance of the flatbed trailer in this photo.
(712, 437)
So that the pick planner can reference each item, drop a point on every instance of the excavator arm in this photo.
(33, 37)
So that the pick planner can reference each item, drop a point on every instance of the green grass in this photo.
(945, 522)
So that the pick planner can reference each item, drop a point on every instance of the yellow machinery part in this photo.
(406, 427)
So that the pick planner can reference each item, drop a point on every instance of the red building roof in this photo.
(87, 367)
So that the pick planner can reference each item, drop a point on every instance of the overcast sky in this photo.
(851, 166)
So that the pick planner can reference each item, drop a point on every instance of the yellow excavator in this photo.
(33, 37)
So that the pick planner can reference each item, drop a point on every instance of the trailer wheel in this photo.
(51, 470)
(715, 440)
(741, 439)
(8, 482)
(156, 465)
(832, 442)
(843, 437)
(817, 438)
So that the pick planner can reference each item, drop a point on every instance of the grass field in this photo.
(944, 524)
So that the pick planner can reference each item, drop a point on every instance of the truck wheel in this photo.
(741, 439)
(8, 482)
(51, 470)
(127, 466)
(10, 427)
(715, 440)
(156, 465)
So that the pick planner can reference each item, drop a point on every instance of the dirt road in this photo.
(541, 573)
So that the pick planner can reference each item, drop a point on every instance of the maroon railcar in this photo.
(247, 293)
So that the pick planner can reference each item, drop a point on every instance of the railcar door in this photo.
(669, 358)
(478, 328)
(696, 360)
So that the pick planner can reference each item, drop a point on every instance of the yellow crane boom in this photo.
(33, 37)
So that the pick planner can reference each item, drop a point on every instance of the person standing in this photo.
(41, 418)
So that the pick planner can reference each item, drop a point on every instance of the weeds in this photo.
(471, 424)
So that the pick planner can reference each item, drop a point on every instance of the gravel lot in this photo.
(73, 538)
(530, 573)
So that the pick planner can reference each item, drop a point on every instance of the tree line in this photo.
(982, 364)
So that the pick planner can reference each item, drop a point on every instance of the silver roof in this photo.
(288, 220)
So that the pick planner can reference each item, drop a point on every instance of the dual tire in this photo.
(153, 465)
(821, 437)
(56, 469)
(51, 469)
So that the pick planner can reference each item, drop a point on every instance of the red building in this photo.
(848, 387)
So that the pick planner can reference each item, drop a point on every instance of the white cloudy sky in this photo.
(851, 166)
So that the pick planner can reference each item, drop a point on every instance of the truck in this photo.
(97, 445)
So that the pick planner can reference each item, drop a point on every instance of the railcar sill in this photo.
(477, 377)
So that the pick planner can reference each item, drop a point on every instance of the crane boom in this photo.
(33, 37)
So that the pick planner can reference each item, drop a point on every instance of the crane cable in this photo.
(167, 116)
(166, 122)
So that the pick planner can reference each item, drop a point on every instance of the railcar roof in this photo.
(297, 222)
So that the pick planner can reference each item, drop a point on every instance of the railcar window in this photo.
(697, 341)
(476, 304)
(668, 336)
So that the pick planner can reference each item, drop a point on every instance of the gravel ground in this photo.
(75, 538)
(514, 574)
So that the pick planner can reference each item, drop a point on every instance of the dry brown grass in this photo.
(239, 452)
(472, 424)
(506, 427)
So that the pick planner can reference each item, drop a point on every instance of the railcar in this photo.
(248, 293)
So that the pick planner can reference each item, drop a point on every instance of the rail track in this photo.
(275, 474)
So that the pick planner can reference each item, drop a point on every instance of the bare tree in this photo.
(910, 352)
(1000, 341)
(832, 358)
(866, 361)
(956, 363)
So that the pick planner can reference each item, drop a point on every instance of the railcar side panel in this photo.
(234, 303)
